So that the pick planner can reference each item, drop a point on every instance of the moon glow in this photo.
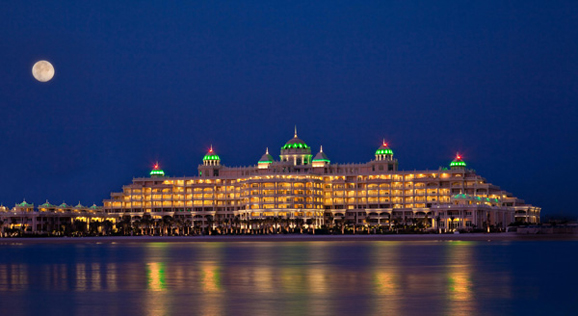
(43, 71)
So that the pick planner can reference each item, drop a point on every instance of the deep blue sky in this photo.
(140, 82)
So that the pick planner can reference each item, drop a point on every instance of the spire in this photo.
(267, 151)
(321, 149)
(384, 143)
(295, 131)
(211, 149)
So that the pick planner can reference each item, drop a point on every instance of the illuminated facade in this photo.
(306, 191)
(47, 218)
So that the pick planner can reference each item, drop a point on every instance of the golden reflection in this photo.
(80, 277)
(385, 283)
(156, 276)
(95, 277)
(461, 299)
(210, 278)
(317, 279)
(3, 277)
(292, 279)
(263, 278)
(211, 299)
(111, 277)
(386, 278)
(13, 277)
(460, 285)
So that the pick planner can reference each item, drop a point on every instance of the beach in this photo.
(294, 238)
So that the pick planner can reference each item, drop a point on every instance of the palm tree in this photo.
(187, 224)
(209, 224)
(125, 224)
(236, 224)
(438, 220)
(167, 225)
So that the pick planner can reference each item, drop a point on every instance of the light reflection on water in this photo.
(317, 278)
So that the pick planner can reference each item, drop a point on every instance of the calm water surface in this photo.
(286, 278)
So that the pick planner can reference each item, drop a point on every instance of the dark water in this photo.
(268, 278)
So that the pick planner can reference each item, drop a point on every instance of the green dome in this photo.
(458, 162)
(266, 158)
(157, 172)
(295, 143)
(211, 155)
(384, 150)
(321, 156)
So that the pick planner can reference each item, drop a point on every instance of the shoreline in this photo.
(291, 238)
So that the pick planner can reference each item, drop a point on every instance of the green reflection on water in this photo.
(156, 276)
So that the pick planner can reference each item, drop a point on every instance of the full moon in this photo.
(43, 71)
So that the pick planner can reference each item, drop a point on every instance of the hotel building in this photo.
(310, 192)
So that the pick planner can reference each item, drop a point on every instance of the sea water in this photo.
(291, 278)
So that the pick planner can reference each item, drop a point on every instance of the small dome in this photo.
(266, 158)
(46, 204)
(157, 172)
(321, 156)
(211, 155)
(63, 205)
(458, 162)
(24, 204)
(384, 149)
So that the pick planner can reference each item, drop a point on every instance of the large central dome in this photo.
(295, 143)
(296, 150)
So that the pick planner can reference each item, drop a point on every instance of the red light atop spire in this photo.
(384, 143)
(458, 156)
(211, 149)
(156, 167)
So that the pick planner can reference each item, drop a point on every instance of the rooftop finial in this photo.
(383, 142)
(211, 149)
(295, 131)
(267, 151)
(321, 149)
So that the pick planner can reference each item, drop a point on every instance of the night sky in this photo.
(140, 82)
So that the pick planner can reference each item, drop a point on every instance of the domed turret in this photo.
(157, 172)
(458, 163)
(383, 152)
(211, 158)
(320, 160)
(296, 151)
(265, 160)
